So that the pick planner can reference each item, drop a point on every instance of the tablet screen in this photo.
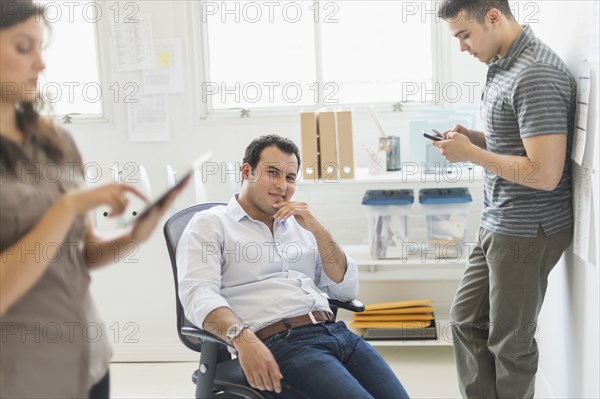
(161, 200)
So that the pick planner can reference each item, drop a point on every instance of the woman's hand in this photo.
(141, 231)
(112, 195)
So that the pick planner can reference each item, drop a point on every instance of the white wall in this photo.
(568, 327)
(142, 292)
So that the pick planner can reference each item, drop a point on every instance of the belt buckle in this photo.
(312, 318)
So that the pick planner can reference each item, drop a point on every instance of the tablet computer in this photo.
(161, 200)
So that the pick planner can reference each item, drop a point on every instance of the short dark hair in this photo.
(255, 148)
(477, 9)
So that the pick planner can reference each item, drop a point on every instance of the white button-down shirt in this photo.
(227, 259)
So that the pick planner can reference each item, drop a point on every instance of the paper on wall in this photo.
(133, 43)
(167, 74)
(148, 119)
(581, 115)
(582, 211)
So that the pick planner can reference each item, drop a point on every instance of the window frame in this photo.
(198, 32)
(102, 43)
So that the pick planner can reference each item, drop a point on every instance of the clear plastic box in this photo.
(447, 212)
(387, 212)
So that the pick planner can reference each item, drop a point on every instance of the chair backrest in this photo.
(173, 230)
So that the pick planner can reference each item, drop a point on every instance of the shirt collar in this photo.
(238, 213)
(521, 42)
(235, 209)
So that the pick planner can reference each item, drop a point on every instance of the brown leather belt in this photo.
(293, 322)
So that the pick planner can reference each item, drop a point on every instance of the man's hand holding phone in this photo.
(455, 146)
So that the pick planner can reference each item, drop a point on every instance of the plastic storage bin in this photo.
(446, 211)
(387, 211)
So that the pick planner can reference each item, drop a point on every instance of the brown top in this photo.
(53, 343)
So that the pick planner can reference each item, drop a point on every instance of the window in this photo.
(303, 53)
(71, 84)
(371, 52)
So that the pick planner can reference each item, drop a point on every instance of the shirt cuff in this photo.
(347, 289)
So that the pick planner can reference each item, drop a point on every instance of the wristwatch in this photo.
(234, 331)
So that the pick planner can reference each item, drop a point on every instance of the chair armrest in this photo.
(202, 335)
(354, 305)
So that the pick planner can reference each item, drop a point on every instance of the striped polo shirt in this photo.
(528, 93)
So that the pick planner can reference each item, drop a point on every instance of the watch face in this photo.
(234, 330)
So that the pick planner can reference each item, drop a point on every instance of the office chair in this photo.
(218, 374)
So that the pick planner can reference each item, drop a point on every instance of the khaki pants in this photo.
(495, 311)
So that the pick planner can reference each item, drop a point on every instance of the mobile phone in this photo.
(437, 133)
(431, 136)
(161, 200)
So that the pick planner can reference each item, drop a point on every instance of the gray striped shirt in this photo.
(528, 93)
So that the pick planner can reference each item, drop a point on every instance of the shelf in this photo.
(414, 267)
(444, 338)
(414, 173)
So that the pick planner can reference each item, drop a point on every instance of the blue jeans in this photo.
(329, 361)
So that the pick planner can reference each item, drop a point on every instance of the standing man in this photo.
(254, 273)
(528, 109)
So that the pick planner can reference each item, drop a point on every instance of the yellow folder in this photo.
(402, 317)
(399, 304)
(390, 324)
(411, 310)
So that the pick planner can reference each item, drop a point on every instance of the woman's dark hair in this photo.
(42, 130)
(255, 148)
(477, 9)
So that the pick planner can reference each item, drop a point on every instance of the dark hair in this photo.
(477, 9)
(12, 13)
(255, 148)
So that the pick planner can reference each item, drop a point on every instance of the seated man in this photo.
(254, 273)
